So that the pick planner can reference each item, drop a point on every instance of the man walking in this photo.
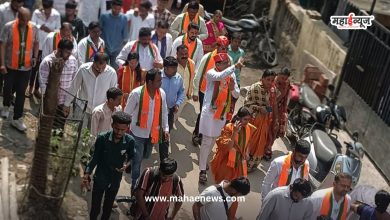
(115, 31)
(288, 202)
(19, 51)
(148, 108)
(285, 169)
(113, 151)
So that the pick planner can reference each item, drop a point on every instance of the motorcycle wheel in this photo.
(268, 53)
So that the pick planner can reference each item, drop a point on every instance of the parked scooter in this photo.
(255, 34)
(326, 162)
(308, 109)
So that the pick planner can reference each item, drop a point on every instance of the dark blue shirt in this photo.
(109, 156)
(366, 212)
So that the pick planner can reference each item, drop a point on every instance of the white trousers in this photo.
(205, 150)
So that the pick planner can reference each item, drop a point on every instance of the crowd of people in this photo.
(137, 65)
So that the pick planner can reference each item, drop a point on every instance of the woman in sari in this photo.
(282, 86)
(229, 162)
(130, 76)
(260, 99)
(215, 29)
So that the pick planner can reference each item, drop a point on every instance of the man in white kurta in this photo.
(139, 19)
(210, 127)
(65, 33)
(89, 46)
(149, 56)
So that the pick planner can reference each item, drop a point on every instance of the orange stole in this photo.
(186, 21)
(221, 98)
(143, 114)
(56, 40)
(259, 139)
(129, 82)
(21, 51)
(90, 52)
(285, 175)
(210, 63)
(191, 69)
(220, 165)
(327, 206)
(152, 48)
(192, 47)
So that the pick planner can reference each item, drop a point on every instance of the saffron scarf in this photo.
(186, 21)
(22, 45)
(210, 63)
(221, 98)
(234, 154)
(152, 48)
(91, 52)
(286, 173)
(192, 47)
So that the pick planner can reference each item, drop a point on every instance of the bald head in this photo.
(24, 15)
(66, 30)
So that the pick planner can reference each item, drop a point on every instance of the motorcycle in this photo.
(325, 162)
(307, 109)
(255, 35)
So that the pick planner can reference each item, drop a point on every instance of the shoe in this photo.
(18, 124)
(5, 112)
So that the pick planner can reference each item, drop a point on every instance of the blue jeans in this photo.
(143, 150)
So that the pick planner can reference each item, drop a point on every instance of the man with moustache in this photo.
(285, 169)
(288, 202)
(91, 83)
(333, 202)
(194, 45)
(149, 56)
(53, 38)
(63, 51)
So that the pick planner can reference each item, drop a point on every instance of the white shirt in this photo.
(101, 118)
(214, 210)
(271, 179)
(198, 52)
(145, 57)
(137, 23)
(316, 199)
(168, 36)
(47, 47)
(132, 108)
(175, 28)
(87, 86)
(208, 125)
(53, 22)
(82, 48)
(88, 10)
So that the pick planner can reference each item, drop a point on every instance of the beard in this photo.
(193, 38)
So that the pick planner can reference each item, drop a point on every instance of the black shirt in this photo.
(108, 156)
(79, 30)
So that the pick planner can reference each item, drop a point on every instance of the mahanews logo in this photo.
(352, 21)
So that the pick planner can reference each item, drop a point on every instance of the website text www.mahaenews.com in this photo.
(185, 198)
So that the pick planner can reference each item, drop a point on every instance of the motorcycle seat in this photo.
(309, 97)
(324, 147)
(229, 22)
(233, 29)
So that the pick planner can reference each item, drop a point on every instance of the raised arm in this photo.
(121, 58)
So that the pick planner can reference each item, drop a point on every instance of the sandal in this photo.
(202, 177)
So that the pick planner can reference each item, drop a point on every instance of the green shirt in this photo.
(236, 55)
(108, 156)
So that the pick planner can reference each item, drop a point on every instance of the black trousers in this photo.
(97, 196)
(15, 81)
(59, 118)
(201, 97)
(163, 148)
(34, 78)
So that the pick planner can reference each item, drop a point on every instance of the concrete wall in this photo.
(313, 38)
(373, 132)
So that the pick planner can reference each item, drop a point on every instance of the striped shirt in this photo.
(164, 189)
(68, 73)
